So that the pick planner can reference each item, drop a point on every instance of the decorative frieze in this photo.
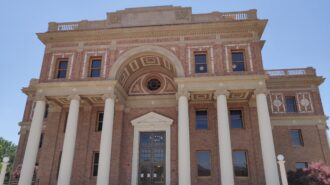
(304, 102)
(277, 103)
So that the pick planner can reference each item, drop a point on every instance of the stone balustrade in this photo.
(182, 15)
(291, 72)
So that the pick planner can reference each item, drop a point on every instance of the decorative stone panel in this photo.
(144, 62)
(305, 104)
(277, 103)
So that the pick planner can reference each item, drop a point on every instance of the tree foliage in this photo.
(316, 174)
(7, 149)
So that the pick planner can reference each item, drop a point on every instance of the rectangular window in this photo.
(240, 163)
(200, 63)
(296, 138)
(203, 163)
(96, 156)
(236, 119)
(201, 119)
(301, 165)
(291, 105)
(99, 121)
(237, 58)
(62, 68)
(95, 67)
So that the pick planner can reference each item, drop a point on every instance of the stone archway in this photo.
(147, 49)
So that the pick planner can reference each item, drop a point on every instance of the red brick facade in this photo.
(316, 146)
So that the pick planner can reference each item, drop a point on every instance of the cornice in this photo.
(301, 120)
(294, 82)
(230, 82)
(154, 31)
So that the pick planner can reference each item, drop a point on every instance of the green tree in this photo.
(7, 149)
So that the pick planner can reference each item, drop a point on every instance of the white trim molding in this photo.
(148, 123)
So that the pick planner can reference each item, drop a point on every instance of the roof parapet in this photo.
(152, 16)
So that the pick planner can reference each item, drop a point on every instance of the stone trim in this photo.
(298, 120)
(151, 122)
(146, 49)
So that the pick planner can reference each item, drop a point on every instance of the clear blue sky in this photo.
(297, 35)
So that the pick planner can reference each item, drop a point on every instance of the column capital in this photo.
(221, 92)
(40, 97)
(74, 97)
(54, 107)
(109, 95)
(183, 93)
(261, 91)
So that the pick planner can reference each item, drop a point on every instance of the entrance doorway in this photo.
(152, 157)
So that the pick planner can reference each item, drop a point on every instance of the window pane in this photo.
(61, 74)
(100, 121)
(201, 119)
(301, 165)
(63, 65)
(204, 163)
(95, 163)
(62, 69)
(240, 163)
(236, 119)
(200, 63)
(296, 137)
(200, 58)
(291, 104)
(238, 66)
(238, 61)
(96, 63)
(95, 72)
(237, 56)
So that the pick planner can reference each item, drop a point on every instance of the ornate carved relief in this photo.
(201, 97)
(114, 18)
(144, 61)
(140, 85)
(277, 103)
(305, 104)
(183, 14)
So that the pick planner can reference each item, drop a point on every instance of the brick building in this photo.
(161, 96)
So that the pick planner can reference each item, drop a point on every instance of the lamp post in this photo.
(281, 163)
(3, 169)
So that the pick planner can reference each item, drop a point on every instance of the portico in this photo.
(186, 88)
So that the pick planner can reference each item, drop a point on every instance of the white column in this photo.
(281, 163)
(3, 169)
(184, 140)
(267, 142)
(32, 145)
(69, 142)
(106, 141)
(225, 151)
